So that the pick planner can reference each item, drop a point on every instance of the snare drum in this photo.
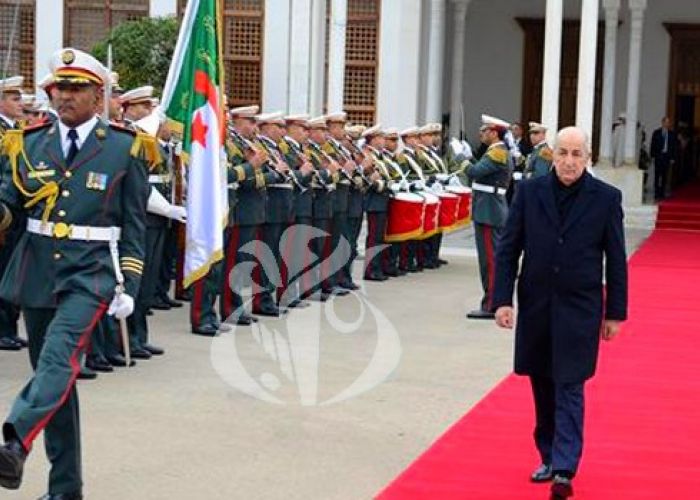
(464, 206)
(431, 215)
(448, 211)
(405, 217)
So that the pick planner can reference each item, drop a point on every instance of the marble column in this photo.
(276, 54)
(436, 51)
(336, 55)
(588, 44)
(459, 17)
(299, 57)
(552, 67)
(318, 57)
(612, 9)
(48, 36)
(635, 59)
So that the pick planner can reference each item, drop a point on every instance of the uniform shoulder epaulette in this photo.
(284, 147)
(498, 155)
(546, 153)
(121, 128)
(146, 146)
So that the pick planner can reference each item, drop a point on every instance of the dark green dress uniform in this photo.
(489, 178)
(433, 165)
(353, 225)
(391, 255)
(376, 204)
(323, 185)
(410, 164)
(62, 272)
(9, 313)
(279, 212)
(297, 279)
(539, 162)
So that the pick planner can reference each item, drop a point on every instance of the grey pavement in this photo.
(174, 428)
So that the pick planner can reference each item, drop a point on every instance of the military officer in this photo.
(391, 154)
(136, 104)
(489, 178)
(10, 113)
(82, 183)
(115, 103)
(539, 162)
(411, 165)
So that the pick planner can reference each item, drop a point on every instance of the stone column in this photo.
(635, 58)
(276, 54)
(161, 8)
(336, 55)
(318, 56)
(436, 50)
(552, 67)
(48, 36)
(459, 17)
(299, 56)
(588, 43)
(612, 8)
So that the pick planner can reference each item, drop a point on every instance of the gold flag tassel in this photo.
(148, 146)
(13, 146)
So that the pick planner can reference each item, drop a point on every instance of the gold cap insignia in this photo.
(68, 56)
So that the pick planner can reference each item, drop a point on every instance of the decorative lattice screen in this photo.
(21, 55)
(243, 35)
(89, 21)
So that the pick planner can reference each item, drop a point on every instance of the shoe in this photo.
(430, 266)
(561, 488)
(118, 360)
(392, 273)
(12, 457)
(242, 320)
(542, 474)
(9, 344)
(401, 272)
(98, 364)
(161, 305)
(184, 297)
(349, 286)
(20, 341)
(442, 262)
(337, 291)
(413, 269)
(298, 304)
(149, 312)
(320, 296)
(272, 311)
(479, 314)
(140, 353)
(375, 277)
(154, 350)
(172, 303)
(62, 496)
(207, 330)
(86, 374)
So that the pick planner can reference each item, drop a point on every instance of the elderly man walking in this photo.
(565, 225)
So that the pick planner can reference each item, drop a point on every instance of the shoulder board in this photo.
(498, 155)
(121, 128)
(546, 153)
(36, 127)
(284, 147)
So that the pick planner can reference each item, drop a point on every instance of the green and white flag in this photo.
(193, 99)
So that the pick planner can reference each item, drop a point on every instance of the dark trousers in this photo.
(167, 267)
(376, 226)
(661, 168)
(322, 248)
(300, 271)
(558, 432)
(9, 313)
(340, 249)
(486, 240)
(57, 340)
(352, 228)
(230, 283)
(267, 270)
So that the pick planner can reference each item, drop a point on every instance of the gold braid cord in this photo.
(148, 146)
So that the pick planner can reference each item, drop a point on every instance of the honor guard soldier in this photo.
(376, 203)
(539, 162)
(411, 165)
(48, 85)
(136, 104)
(390, 264)
(297, 280)
(356, 196)
(279, 206)
(489, 178)
(82, 183)
(115, 98)
(10, 113)
(340, 227)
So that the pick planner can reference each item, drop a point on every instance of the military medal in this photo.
(96, 181)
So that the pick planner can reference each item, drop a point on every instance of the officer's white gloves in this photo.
(395, 187)
(158, 205)
(122, 306)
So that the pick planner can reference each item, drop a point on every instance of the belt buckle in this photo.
(62, 230)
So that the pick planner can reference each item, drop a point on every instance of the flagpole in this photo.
(108, 85)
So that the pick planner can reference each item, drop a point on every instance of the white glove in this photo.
(441, 177)
(467, 150)
(122, 306)
(454, 181)
(177, 213)
(437, 187)
(395, 187)
(419, 184)
(404, 185)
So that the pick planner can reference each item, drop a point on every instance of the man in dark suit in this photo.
(664, 150)
(565, 225)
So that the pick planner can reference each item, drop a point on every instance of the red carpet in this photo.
(642, 435)
(682, 211)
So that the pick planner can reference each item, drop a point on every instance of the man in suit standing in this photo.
(664, 149)
(564, 225)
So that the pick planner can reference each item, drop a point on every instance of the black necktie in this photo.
(73, 149)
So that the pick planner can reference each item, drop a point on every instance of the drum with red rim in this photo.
(448, 211)
(405, 217)
(464, 206)
(431, 214)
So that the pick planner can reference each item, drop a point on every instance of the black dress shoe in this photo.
(442, 262)
(118, 360)
(413, 269)
(298, 304)
(375, 277)
(561, 488)
(149, 312)
(271, 311)
(171, 302)
(479, 314)
(208, 330)
(9, 344)
(12, 457)
(349, 286)
(140, 353)
(86, 374)
(391, 272)
(542, 474)
(430, 266)
(161, 305)
(62, 496)
(337, 291)
(20, 341)
(98, 364)
(154, 350)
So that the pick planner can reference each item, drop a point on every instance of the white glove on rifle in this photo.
(122, 306)
(158, 205)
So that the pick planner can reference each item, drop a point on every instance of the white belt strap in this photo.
(233, 186)
(517, 176)
(485, 188)
(281, 186)
(159, 178)
(61, 230)
(114, 252)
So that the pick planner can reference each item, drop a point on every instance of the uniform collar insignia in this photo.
(41, 166)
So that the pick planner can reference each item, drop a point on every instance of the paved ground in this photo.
(176, 428)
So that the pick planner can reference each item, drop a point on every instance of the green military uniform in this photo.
(539, 162)
(390, 255)
(410, 164)
(489, 178)
(376, 203)
(62, 272)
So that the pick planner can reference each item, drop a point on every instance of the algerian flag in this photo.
(193, 98)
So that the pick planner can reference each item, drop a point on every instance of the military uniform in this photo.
(84, 192)
(539, 163)
(489, 178)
